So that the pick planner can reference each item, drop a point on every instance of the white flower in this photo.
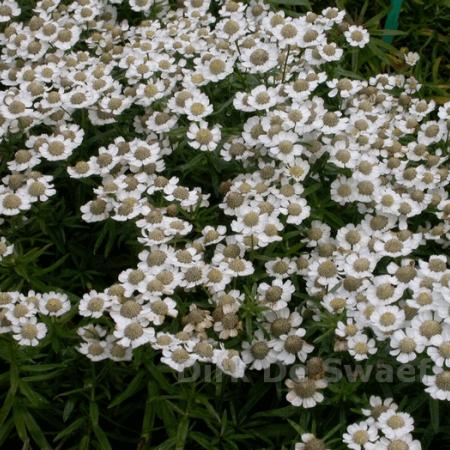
(6, 248)
(12, 204)
(160, 309)
(395, 424)
(360, 435)
(259, 59)
(198, 107)
(202, 137)
(438, 384)
(361, 347)
(411, 58)
(229, 362)
(280, 267)
(291, 346)
(54, 304)
(29, 332)
(428, 325)
(406, 344)
(440, 351)
(262, 98)
(93, 304)
(406, 442)
(8, 10)
(378, 406)
(96, 210)
(387, 318)
(95, 350)
(309, 441)
(134, 333)
(40, 188)
(258, 353)
(304, 391)
(178, 358)
(357, 36)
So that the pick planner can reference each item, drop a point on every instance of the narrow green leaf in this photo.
(182, 432)
(101, 438)
(6, 430)
(6, 407)
(93, 413)
(68, 408)
(36, 432)
(305, 3)
(74, 426)
(134, 386)
(19, 422)
(434, 414)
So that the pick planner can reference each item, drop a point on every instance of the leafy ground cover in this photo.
(52, 396)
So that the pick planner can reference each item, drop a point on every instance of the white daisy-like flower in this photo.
(379, 406)
(310, 442)
(178, 358)
(291, 346)
(304, 391)
(406, 442)
(94, 304)
(387, 318)
(395, 424)
(6, 248)
(440, 352)
(229, 362)
(134, 333)
(95, 350)
(202, 137)
(258, 354)
(159, 309)
(29, 332)
(357, 36)
(361, 347)
(438, 384)
(259, 59)
(8, 10)
(406, 344)
(12, 203)
(198, 107)
(54, 304)
(358, 436)
(411, 58)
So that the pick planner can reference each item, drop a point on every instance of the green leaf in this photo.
(36, 433)
(35, 399)
(377, 51)
(68, 408)
(93, 413)
(434, 414)
(149, 412)
(85, 443)
(8, 402)
(19, 422)
(54, 266)
(305, 3)
(182, 432)
(74, 426)
(134, 386)
(101, 438)
(202, 440)
(5, 431)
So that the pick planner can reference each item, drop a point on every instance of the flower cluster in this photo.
(385, 428)
(306, 142)
(21, 314)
